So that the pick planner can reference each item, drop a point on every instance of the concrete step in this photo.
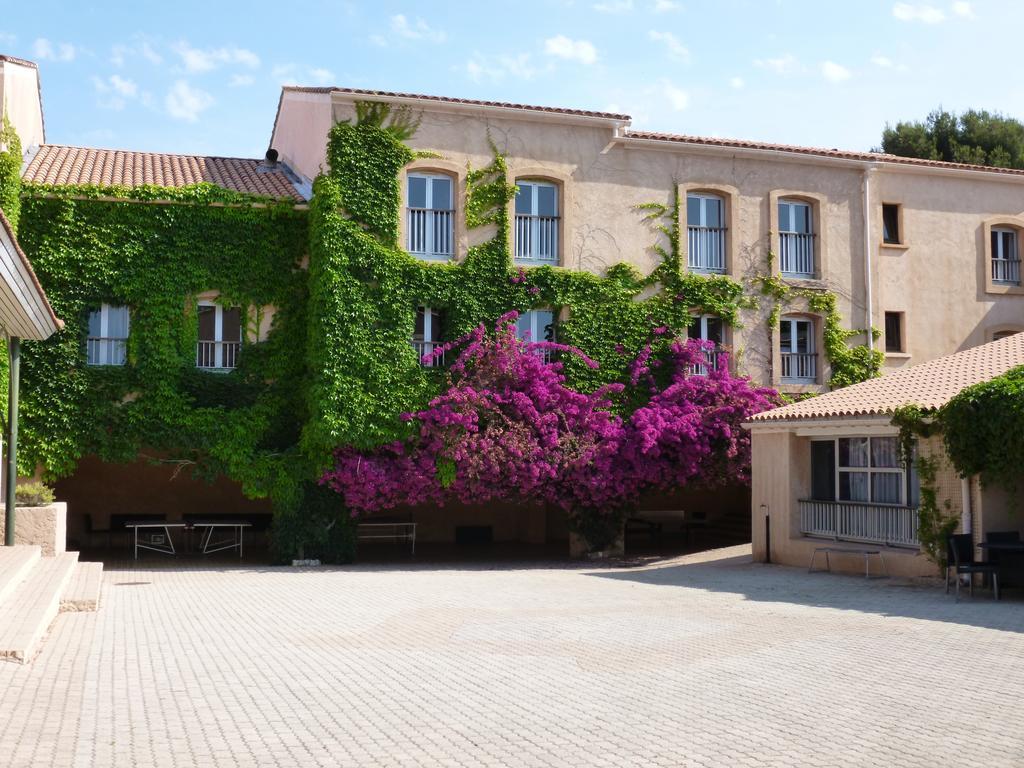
(83, 590)
(26, 614)
(15, 565)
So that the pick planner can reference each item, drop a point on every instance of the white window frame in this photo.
(788, 228)
(107, 344)
(811, 347)
(536, 330)
(430, 250)
(701, 224)
(999, 253)
(534, 224)
(868, 470)
(431, 338)
(219, 341)
(711, 355)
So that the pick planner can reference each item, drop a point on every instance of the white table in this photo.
(154, 542)
(235, 531)
(393, 531)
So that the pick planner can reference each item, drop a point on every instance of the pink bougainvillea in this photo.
(508, 427)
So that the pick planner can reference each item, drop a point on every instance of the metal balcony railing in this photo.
(1006, 271)
(536, 239)
(705, 248)
(102, 350)
(887, 524)
(430, 233)
(800, 366)
(796, 254)
(217, 355)
(424, 348)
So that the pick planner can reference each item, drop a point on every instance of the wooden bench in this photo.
(867, 553)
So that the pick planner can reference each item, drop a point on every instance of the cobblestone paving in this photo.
(703, 661)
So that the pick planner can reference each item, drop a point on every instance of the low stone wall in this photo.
(45, 527)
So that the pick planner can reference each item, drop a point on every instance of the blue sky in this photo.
(204, 77)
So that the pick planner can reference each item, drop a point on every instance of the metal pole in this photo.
(767, 535)
(14, 348)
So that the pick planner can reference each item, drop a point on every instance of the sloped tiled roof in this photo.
(5, 225)
(63, 165)
(928, 385)
(867, 157)
(452, 100)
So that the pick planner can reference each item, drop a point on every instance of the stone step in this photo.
(15, 565)
(83, 590)
(26, 614)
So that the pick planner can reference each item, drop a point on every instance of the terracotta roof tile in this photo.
(16, 60)
(868, 157)
(452, 100)
(61, 165)
(928, 385)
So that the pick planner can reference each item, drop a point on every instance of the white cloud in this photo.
(736, 82)
(238, 81)
(676, 97)
(418, 30)
(614, 6)
(520, 66)
(44, 49)
(121, 52)
(199, 60)
(321, 76)
(664, 6)
(379, 40)
(114, 91)
(882, 61)
(927, 14)
(963, 10)
(563, 47)
(834, 73)
(675, 49)
(183, 102)
(783, 65)
(285, 74)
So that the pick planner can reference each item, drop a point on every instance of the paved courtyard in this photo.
(703, 661)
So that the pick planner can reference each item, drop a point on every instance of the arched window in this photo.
(430, 223)
(797, 347)
(705, 232)
(1005, 256)
(796, 238)
(536, 222)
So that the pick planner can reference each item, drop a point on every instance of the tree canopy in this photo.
(977, 137)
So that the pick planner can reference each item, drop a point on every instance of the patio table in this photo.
(155, 542)
(235, 530)
(1011, 563)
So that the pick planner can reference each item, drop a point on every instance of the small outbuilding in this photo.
(829, 469)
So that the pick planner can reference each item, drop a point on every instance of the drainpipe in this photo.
(14, 346)
(866, 187)
(967, 515)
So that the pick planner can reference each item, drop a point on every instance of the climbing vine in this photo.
(10, 172)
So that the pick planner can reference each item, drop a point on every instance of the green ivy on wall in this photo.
(10, 172)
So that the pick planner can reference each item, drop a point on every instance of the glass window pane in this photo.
(523, 322)
(436, 325)
(786, 335)
(95, 329)
(420, 326)
(545, 325)
(823, 470)
(713, 211)
(693, 217)
(441, 193)
(803, 336)
(853, 452)
(524, 199)
(694, 331)
(785, 217)
(853, 486)
(885, 487)
(547, 200)
(207, 323)
(715, 330)
(117, 322)
(231, 324)
(885, 452)
(890, 223)
(1010, 245)
(417, 192)
(801, 218)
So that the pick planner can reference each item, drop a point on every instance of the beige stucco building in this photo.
(925, 252)
(829, 469)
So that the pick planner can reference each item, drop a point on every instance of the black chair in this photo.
(1003, 560)
(91, 530)
(960, 559)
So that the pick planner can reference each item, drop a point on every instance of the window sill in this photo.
(894, 246)
(1004, 289)
(432, 256)
(898, 355)
(534, 263)
(805, 281)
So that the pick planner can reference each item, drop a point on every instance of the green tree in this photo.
(977, 137)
